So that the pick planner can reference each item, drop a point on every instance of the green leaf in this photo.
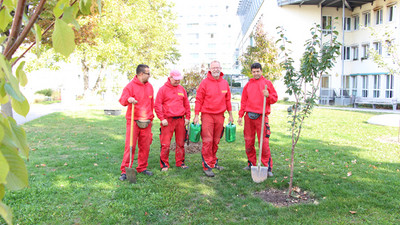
(2, 191)
(5, 19)
(59, 8)
(19, 136)
(10, 4)
(69, 17)
(17, 177)
(38, 38)
(17, 95)
(2, 39)
(22, 108)
(63, 38)
(84, 6)
(99, 6)
(4, 100)
(5, 212)
(21, 76)
(4, 168)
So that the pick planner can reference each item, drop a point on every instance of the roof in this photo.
(350, 4)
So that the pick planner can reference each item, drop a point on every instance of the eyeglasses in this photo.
(215, 68)
(147, 73)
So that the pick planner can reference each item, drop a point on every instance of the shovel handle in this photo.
(262, 129)
(131, 135)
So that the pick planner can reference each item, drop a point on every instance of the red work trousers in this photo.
(144, 137)
(212, 126)
(177, 126)
(250, 129)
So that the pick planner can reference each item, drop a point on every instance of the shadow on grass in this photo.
(74, 170)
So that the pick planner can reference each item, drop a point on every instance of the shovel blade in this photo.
(130, 175)
(259, 173)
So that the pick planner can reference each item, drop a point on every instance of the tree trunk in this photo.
(99, 79)
(7, 109)
(85, 70)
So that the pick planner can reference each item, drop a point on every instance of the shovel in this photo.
(260, 173)
(130, 172)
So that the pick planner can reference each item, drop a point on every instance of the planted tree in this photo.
(264, 52)
(318, 58)
(192, 79)
(14, 30)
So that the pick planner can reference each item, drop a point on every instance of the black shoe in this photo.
(122, 177)
(247, 168)
(209, 173)
(147, 172)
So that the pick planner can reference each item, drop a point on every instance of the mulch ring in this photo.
(279, 198)
(193, 147)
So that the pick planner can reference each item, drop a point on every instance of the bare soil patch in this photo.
(191, 149)
(279, 198)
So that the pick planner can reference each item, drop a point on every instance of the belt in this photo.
(177, 117)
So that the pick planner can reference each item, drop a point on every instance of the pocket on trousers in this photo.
(268, 130)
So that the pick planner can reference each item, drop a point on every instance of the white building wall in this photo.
(297, 21)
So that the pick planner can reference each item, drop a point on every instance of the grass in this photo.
(75, 159)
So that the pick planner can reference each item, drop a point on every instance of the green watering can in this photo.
(194, 132)
(230, 132)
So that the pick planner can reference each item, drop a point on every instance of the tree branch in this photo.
(16, 25)
(26, 30)
(44, 32)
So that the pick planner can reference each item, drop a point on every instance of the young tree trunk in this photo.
(7, 109)
(100, 78)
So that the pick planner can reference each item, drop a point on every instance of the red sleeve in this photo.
(228, 99)
(199, 98)
(243, 102)
(158, 107)
(186, 104)
(273, 96)
(125, 95)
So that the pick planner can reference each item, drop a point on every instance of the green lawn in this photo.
(75, 159)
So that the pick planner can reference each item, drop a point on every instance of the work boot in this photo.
(122, 177)
(247, 168)
(147, 172)
(270, 174)
(218, 167)
(209, 172)
(164, 169)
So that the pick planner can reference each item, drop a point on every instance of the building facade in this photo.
(355, 76)
(206, 32)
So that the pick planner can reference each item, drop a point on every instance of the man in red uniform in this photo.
(140, 93)
(252, 103)
(173, 109)
(213, 98)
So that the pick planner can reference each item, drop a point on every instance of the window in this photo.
(367, 19)
(326, 24)
(212, 45)
(365, 49)
(365, 86)
(377, 85)
(389, 86)
(190, 25)
(379, 16)
(378, 47)
(356, 20)
(211, 35)
(355, 52)
(354, 86)
(193, 36)
(194, 55)
(346, 53)
(325, 82)
(390, 12)
(347, 23)
(346, 85)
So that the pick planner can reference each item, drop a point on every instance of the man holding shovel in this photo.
(173, 109)
(138, 93)
(252, 100)
(213, 98)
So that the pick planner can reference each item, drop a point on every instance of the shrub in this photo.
(46, 92)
